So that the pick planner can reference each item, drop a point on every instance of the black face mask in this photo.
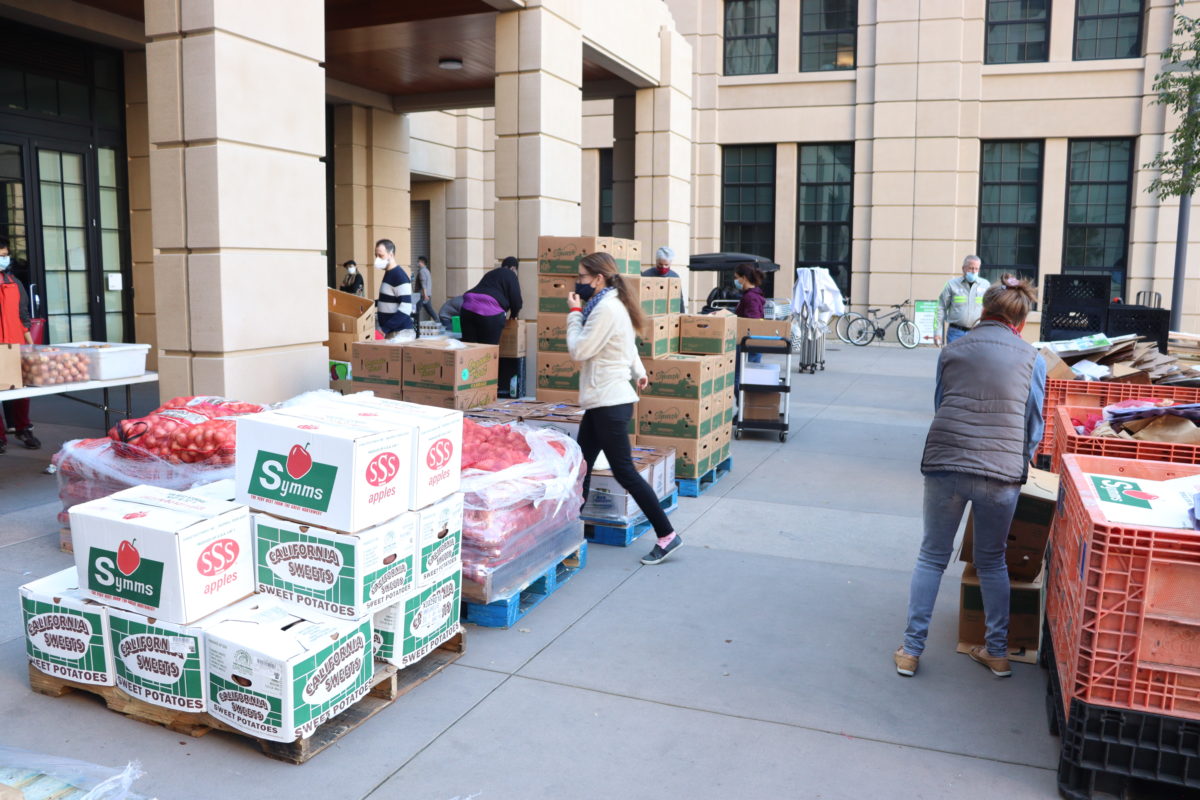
(585, 291)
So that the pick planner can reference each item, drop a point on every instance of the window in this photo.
(1010, 213)
(1108, 29)
(748, 200)
(828, 30)
(1096, 239)
(824, 210)
(606, 192)
(1017, 31)
(751, 37)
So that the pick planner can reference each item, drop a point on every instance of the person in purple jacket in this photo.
(749, 279)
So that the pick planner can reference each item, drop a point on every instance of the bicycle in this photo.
(864, 330)
(843, 324)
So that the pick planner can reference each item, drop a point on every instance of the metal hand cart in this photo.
(767, 345)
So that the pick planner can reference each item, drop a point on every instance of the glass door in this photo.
(73, 301)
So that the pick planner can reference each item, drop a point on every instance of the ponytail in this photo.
(1012, 298)
(750, 272)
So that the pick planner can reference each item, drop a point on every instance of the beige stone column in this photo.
(466, 259)
(663, 158)
(137, 151)
(238, 192)
(539, 118)
(787, 176)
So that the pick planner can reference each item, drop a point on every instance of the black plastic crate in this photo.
(1072, 322)
(1111, 749)
(1067, 290)
(1150, 323)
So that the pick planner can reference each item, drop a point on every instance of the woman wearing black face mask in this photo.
(486, 307)
(600, 335)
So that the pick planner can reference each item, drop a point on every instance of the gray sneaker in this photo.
(660, 554)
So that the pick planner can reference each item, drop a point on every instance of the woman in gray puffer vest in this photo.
(986, 428)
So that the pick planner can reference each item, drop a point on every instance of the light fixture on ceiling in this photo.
(450, 63)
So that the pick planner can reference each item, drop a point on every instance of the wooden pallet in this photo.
(506, 611)
(388, 684)
(64, 540)
(694, 487)
(598, 531)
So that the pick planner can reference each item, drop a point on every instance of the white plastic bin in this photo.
(112, 360)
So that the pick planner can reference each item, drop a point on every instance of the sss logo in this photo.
(439, 454)
(382, 469)
(218, 557)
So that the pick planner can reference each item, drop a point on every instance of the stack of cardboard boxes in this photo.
(433, 372)
(268, 620)
(351, 319)
(1025, 556)
(513, 350)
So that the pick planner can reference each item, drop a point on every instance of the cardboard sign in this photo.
(66, 634)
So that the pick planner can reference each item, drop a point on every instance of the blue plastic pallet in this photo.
(694, 487)
(503, 613)
(606, 532)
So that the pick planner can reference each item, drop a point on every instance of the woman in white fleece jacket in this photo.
(600, 336)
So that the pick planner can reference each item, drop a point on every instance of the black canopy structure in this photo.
(718, 262)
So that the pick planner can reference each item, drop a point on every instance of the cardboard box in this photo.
(377, 362)
(708, 334)
(608, 500)
(664, 460)
(438, 545)
(557, 371)
(674, 295)
(722, 446)
(389, 391)
(552, 333)
(762, 374)
(1027, 606)
(341, 346)
(553, 291)
(674, 418)
(633, 258)
(435, 365)
(279, 675)
(654, 337)
(1056, 368)
(170, 555)
(559, 255)
(422, 622)
(10, 367)
(512, 339)
(673, 327)
(66, 633)
(436, 465)
(781, 328)
(651, 293)
(1030, 527)
(457, 401)
(351, 314)
(683, 376)
(762, 406)
(314, 465)
(159, 662)
(336, 574)
(557, 395)
(692, 456)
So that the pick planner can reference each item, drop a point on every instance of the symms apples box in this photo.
(277, 675)
(169, 555)
(339, 574)
(436, 467)
(420, 623)
(323, 467)
(66, 634)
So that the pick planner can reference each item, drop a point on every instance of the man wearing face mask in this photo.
(14, 329)
(394, 306)
(961, 302)
(662, 269)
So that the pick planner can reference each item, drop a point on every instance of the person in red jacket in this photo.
(14, 329)
(749, 279)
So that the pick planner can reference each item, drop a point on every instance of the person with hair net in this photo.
(662, 269)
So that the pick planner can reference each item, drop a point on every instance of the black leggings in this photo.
(481, 329)
(607, 429)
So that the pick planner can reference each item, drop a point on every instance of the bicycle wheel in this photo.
(908, 334)
(843, 324)
(861, 332)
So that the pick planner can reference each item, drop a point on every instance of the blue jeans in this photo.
(993, 503)
(953, 333)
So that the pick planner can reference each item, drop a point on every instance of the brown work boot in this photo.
(998, 665)
(906, 665)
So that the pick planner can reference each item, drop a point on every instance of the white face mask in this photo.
(381, 263)
(351, 270)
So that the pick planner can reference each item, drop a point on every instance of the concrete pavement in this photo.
(756, 663)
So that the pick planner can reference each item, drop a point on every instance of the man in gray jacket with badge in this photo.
(961, 302)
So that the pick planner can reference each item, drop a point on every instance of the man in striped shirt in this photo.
(394, 307)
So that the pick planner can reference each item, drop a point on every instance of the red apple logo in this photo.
(299, 462)
(1139, 495)
(306, 427)
(135, 515)
(128, 558)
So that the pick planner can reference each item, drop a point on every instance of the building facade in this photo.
(191, 172)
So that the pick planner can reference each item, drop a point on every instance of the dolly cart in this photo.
(767, 345)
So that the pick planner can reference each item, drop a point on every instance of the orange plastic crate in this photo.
(1106, 392)
(1122, 602)
(1067, 441)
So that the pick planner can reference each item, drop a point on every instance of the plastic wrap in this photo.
(484, 583)
(39, 775)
